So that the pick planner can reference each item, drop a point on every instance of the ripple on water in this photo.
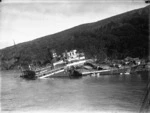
(105, 93)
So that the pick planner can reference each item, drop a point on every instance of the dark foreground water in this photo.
(111, 94)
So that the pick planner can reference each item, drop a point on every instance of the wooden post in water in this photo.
(145, 107)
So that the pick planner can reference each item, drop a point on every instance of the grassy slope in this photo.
(115, 37)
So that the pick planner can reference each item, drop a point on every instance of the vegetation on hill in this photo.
(116, 37)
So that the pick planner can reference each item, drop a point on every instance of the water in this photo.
(115, 94)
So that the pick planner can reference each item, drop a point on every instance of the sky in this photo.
(25, 20)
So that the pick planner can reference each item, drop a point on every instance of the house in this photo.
(130, 60)
(137, 61)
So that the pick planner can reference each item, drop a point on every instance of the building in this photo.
(73, 55)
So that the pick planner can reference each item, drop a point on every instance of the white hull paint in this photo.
(50, 74)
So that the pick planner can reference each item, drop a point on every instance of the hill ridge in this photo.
(114, 37)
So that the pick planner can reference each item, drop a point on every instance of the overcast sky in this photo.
(24, 20)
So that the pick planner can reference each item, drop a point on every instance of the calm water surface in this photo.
(115, 94)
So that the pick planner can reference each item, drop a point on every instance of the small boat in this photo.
(28, 74)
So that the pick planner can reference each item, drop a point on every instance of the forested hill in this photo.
(119, 36)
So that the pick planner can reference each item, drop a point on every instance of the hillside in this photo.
(119, 36)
